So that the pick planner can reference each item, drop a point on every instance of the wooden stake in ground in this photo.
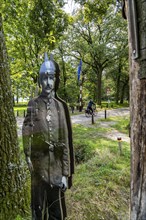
(119, 139)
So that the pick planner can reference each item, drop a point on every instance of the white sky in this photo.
(70, 6)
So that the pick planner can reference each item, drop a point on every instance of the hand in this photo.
(64, 183)
(29, 163)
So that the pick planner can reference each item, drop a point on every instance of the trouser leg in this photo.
(91, 109)
(56, 204)
(38, 199)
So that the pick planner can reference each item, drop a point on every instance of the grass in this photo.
(20, 111)
(101, 183)
(21, 104)
(122, 125)
(20, 108)
(119, 123)
(101, 186)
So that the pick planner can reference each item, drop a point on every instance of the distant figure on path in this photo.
(90, 105)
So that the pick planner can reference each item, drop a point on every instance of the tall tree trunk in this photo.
(117, 88)
(17, 97)
(138, 114)
(99, 84)
(118, 84)
(123, 93)
(12, 176)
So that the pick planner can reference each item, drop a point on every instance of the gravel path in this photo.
(81, 119)
(113, 133)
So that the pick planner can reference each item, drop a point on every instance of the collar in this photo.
(46, 99)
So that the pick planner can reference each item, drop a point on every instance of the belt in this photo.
(50, 145)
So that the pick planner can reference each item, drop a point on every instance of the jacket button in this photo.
(48, 117)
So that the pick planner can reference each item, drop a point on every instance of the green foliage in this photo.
(100, 39)
(21, 218)
(49, 21)
(20, 104)
(31, 28)
(93, 33)
(112, 104)
(96, 10)
(85, 147)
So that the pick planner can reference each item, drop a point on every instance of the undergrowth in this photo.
(101, 183)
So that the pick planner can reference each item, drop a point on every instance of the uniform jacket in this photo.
(70, 140)
(45, 139)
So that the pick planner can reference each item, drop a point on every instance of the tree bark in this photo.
(123, 91)
(117, 95)
(12, 176)
(138, 116)
(138, 145)
(99, 86)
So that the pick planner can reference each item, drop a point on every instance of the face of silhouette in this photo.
(47, 82)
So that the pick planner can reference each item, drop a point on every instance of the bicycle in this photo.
(89, 113)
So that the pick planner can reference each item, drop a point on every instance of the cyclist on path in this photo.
(90, 105)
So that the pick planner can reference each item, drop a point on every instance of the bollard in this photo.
(93, 119)
(119, 139)
(105, 113)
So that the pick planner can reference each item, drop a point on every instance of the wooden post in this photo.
(93, 119)
(119, 139)
(105, 114)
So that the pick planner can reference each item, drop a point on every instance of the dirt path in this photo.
(113, 133)
(81, 119)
